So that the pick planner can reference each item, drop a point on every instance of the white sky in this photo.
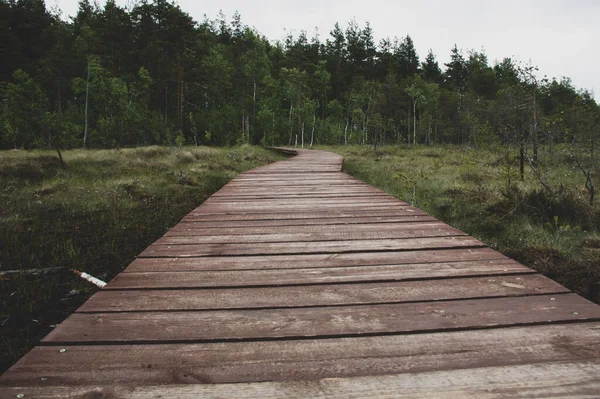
(561, 37)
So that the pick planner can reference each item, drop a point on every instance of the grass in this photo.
(96, 216)
(109, 205)
(480, 192)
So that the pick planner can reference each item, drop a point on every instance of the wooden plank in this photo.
(321, 321)
(236, 263)
(305, 359)
(191, 230)
(299, 183)
(353, 202)
(271, 209)
(320, 295)
(574, 380)
(300, 177)
(339, 198)
(242, 224)
(401, 211)
(247, 197)
(343, 190)
(307, 236)
(318, 275)
(276, 213)
(314, 247)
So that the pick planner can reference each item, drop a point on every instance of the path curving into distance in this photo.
(298, 280)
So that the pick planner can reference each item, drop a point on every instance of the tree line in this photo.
(151, 74)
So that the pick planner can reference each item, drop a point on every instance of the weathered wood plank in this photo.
(320, 295)
(314, 247)
(321, 321)
(283, 202)
(241, 216)
(242, 224)
(235, 263)
(191, 230)
(273, 210)
(298, 183)
(319, 275)
(245, 196)
(305, 359)
(574, 380)
(308, 237)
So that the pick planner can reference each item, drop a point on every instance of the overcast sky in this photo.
(561, 37)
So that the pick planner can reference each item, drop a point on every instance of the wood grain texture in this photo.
(343, 229)
(242, 224)
(297, 280)
(305, 359)
(317, 275)
(187, 250)
(321, 295)
(310, 236)
(321, 321)
(352, 259)
(333, 213)
(575, 380)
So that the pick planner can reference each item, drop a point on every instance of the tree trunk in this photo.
(87, 93)
(272, 130)
(429, 131)
(243, 125)
(300, 123)
(181, 95)
(535, 140)
(166, 102)
(408, 124)
(522, 159)
(247, 129)
(291, 124)
(63, 165)
(253, 104)
(346, 132)
(312, 133)
(436, 125)
(302, 135)
(414, 122)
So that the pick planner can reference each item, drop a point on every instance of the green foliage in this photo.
(141, 71)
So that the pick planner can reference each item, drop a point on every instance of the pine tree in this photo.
(431, 70)
(456, 73)
(407, 58)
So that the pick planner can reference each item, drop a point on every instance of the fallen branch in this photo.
(88, 277)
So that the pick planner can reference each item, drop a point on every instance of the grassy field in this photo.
(481, 193)
(108, 205)
(95, 215)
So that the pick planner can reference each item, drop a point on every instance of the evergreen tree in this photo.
(431, 70)
(456, 70)
(407, 58)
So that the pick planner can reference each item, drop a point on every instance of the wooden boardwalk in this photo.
(297, 280)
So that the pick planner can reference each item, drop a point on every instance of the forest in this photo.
(150, 74)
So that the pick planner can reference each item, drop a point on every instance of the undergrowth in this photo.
(95, 215)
